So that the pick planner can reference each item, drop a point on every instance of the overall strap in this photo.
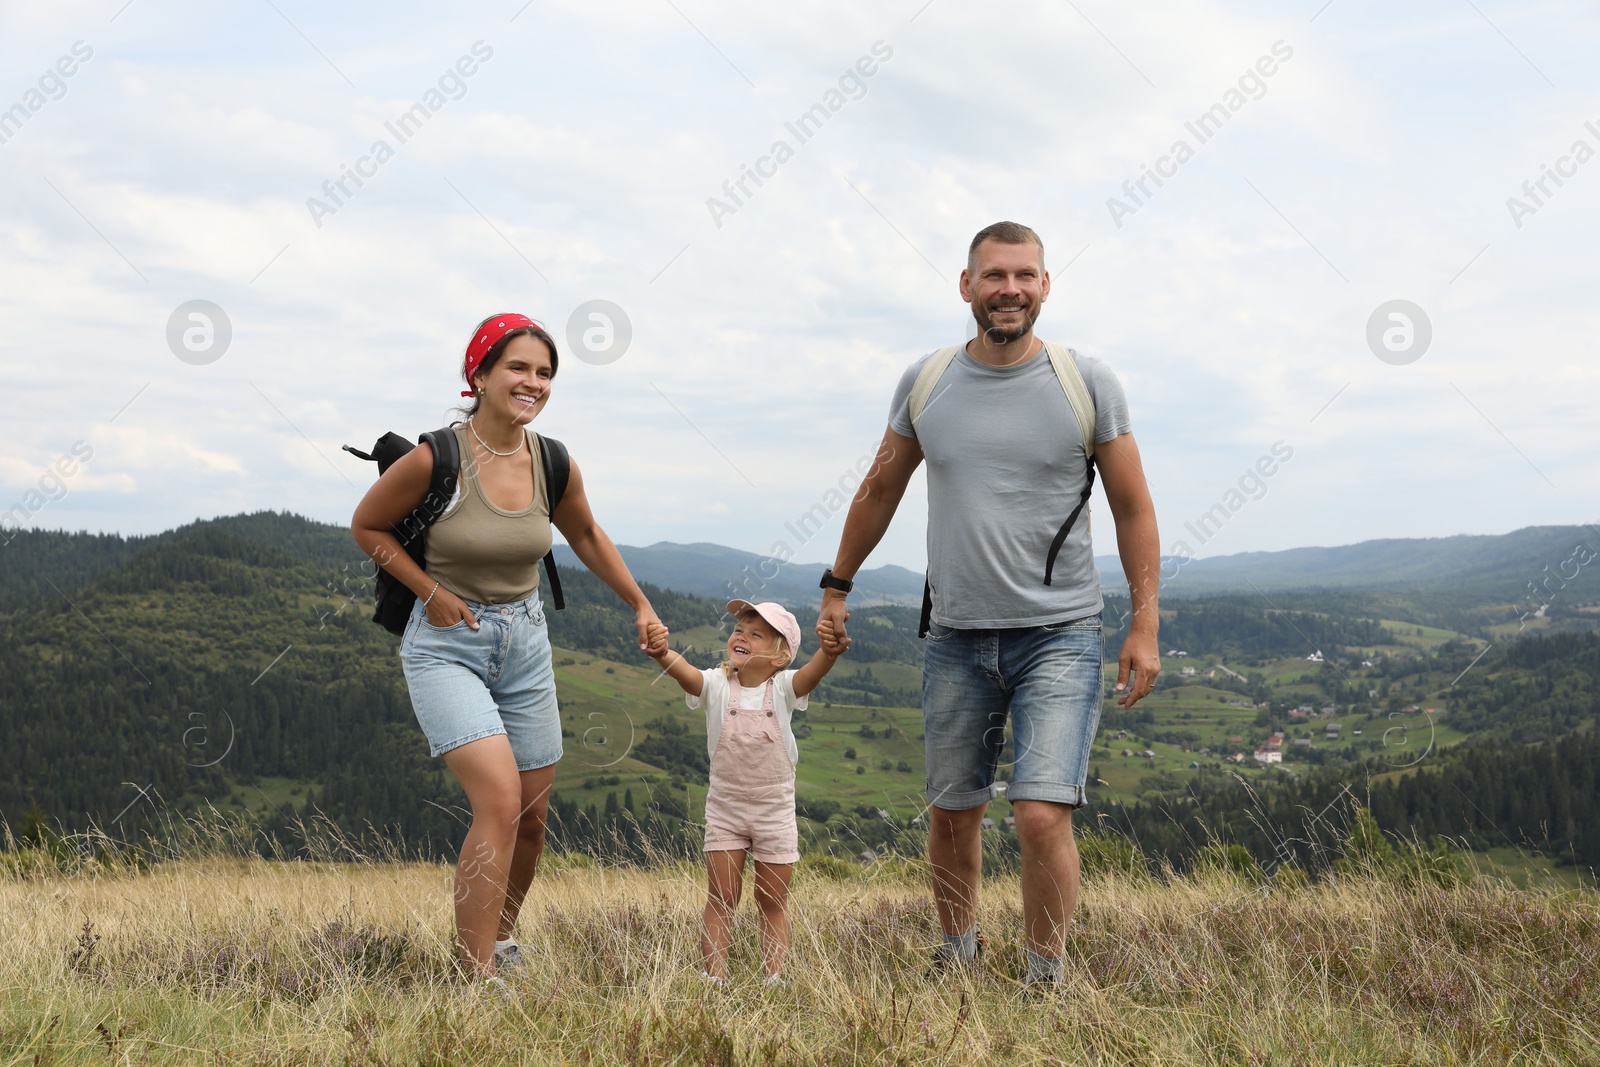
(768, 702)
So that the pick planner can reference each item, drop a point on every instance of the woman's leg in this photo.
(724, 884)
(488, 773)
(530, 842)
(772, 897)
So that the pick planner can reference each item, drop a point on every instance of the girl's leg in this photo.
(724, 883)
(772, 897)
(530, 842)
(488, 773)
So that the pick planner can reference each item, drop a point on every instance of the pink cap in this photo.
(780, 618)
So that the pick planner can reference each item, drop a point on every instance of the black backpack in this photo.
(394, 599)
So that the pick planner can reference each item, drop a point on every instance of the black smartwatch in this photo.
(844, 585)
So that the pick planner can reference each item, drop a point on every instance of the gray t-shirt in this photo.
(1005, 469)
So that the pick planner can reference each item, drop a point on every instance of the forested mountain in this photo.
(1545, 798)
(233, 663)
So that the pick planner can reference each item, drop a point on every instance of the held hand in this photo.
(656, 640)
(829, 638)
(830, 622)
(1140, 658)
(447, 609)
(650, 643)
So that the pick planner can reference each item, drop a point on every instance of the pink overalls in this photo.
(751, 800)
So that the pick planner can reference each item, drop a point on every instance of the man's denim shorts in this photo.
(1047, 679)
(468, 684)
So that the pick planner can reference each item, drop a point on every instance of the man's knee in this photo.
(960, 825)
(1042, 822)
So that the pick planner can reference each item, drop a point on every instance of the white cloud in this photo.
(591, 141)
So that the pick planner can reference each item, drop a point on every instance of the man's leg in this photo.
(1049, 874)
(963, 718)
(955, 853)
(1055, 711)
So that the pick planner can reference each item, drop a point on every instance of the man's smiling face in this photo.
(1007, 285)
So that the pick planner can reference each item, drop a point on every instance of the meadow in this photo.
(246, 961)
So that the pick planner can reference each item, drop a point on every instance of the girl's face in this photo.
(753, 641)
(518, 385)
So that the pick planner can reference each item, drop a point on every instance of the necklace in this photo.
(491, 451)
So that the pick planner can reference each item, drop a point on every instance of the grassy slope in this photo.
(249, 962)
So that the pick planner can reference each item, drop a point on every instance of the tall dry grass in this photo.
(245, 961)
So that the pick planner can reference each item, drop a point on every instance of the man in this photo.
(1014, 628)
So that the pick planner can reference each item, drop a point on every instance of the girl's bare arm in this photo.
(810, 676)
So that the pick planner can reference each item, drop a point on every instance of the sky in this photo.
(158, 153)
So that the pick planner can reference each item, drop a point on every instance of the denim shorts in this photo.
(1047, 679)
(468, 684)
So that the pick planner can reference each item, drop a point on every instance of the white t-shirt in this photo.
(714, 693)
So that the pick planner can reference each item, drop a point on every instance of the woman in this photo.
(476, 652)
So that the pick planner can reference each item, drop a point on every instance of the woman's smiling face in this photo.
(518, 385)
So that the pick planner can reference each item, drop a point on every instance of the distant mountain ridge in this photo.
(1499, 566)
(1507, 568)
(704, 569)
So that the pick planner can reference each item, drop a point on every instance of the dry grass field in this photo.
(243, 961)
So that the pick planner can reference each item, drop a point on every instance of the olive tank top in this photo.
(483, 553)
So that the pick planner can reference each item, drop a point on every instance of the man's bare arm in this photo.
(1139, 545)
(868, 520)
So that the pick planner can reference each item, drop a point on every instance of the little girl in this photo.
(750, 806)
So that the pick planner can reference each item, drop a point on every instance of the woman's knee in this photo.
(531, 824)
(498, 810)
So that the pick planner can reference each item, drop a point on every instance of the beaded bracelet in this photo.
(432, 591)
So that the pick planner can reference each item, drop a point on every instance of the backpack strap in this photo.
(1077, 390)
(557, 467)
(1063, 360)
(922, 392)
(927, 378)
(446, 472)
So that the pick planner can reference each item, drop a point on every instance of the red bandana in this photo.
(489, 335)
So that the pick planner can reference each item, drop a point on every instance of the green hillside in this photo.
(231, 664)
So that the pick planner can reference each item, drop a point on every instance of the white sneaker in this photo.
(508, 958)
(494, 989)
(712, 980)
(775, 981)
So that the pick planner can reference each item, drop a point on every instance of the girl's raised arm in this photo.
(810, 676)
(686, 674)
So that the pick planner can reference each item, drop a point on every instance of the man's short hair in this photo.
(1010, 233)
